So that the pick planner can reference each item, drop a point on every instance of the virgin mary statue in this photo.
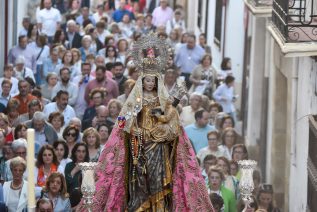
(148, 163)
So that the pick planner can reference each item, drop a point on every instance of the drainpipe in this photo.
(224, 4)
(6, 27)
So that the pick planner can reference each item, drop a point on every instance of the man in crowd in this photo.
(197, 132)
(73, 37)
(118, 70)
(24, 96)
(188, 57)
(49, 20)
(24, 50)
(162, 14)
(120, 12)
(102, 82)
(62, 106)
(44, 132)
(66, 85)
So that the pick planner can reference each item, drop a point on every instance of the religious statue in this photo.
(148, 163)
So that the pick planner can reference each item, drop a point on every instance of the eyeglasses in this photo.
(20, 153)
(72, 134)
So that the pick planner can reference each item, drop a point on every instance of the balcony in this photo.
(260, 8)
(294, 26)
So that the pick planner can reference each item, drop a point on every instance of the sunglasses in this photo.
(71, 134)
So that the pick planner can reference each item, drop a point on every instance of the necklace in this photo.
(16, 187)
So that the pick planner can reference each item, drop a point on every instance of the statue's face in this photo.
(149, 83)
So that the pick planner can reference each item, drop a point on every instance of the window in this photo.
(218, 22)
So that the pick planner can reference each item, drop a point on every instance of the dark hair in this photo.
(114, 49)
(60, 93)
(227, 162)
(62, 69)
(69, 128)
(199, 114)
(215, 104)
(43, 201)
(224, 63)
(107, 39)
(118, 64)
(216, 200)
(18, 128)
(97, 90)
(58, 33)
(241, 205)
(224, 133)
(30, 81)
(74, 150)
(66, 149)
(103, 68)
(192, 35)
(209, 157)
(225, 118)
(100, 24)
(54, 115)
(229, 79)
(85, 64)
(29, 32)
(39, 161)
(109, 66)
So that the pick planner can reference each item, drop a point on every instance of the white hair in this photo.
(71, 21)
(21, 142)
(39, 116)
(88, 37)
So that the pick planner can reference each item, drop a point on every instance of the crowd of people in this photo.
(68, 78)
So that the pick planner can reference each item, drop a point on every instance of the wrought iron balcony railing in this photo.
(296, 19)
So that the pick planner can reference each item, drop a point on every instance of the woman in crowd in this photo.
(80, 154)
(230, 181)
(4, 124)
(46, 164)
(111, 54)
(56, 119)
(174, 38)
(15, 191)
(61, 152)
(225, 96)
(91, 137)
(76, 60)
(97, 96)
(52, 63)
(187, 115)
(123, 46)
(212, 148)
(70, 135)
(225, 69)
(229, 138)
(12, 111)
(60, 38)
(203, 77)
(265, 198)
(32, 33)
(86, 48)
(20, 131)
(216, 178)
(56, 190)
(114, 107)
(234, 168)
(67, 61)
(226, 121)
(239, 152)
(128, 86)
(104, 132)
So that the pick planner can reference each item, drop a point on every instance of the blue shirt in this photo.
(187, 59)
(198, 136)
(118, 15)
(49, 66)
(80, 20)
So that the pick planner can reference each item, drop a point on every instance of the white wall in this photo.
(234, 47)
(306, 103)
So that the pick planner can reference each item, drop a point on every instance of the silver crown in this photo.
(150, 54)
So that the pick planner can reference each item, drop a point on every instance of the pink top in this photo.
(110, 85)
(160, 16)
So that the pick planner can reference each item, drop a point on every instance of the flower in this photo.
(121, 122)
